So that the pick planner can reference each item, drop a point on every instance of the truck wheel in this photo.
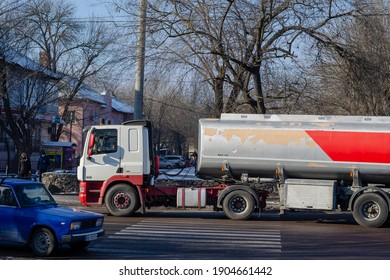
(370, 210)
(42, 242)
(238, 205)
(122, 200)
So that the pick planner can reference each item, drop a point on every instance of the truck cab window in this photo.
(105, 141)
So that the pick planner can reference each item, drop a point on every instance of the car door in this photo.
(9, 216)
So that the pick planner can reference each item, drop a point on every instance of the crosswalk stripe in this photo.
(143, 238)
(196, 232)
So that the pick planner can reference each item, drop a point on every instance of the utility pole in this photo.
(139, 76)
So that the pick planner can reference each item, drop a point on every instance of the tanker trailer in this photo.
(319, 162)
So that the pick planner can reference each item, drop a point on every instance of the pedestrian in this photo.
(24, 166)
(195, 158)
(43, 164)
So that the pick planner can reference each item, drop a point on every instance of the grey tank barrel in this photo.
(310, 147)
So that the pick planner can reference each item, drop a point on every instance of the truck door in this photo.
(132, 143)
(104, 159)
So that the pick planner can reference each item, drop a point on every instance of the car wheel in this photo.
(42, 242)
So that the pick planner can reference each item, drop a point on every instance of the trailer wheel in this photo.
(121, 200)
(238, 205)
(370, 210)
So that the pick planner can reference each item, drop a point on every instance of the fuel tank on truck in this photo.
(309, 147)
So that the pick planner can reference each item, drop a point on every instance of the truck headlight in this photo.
(75, 225)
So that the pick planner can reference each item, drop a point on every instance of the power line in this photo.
(174, 106)
(103, 20)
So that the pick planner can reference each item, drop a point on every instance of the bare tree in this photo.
(174, 112)
(74, 50)
(69, 53)
(231, 43)
(24, 86)
(354, 73)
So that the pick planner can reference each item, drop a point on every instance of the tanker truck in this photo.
(322, 163)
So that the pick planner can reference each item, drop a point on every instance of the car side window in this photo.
(7, 197)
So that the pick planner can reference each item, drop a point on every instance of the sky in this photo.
(86, 8)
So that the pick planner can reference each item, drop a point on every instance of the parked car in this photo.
(179, 160)
(168, 164)
(30, 216)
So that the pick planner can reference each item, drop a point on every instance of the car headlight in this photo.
(75, 225)
(99, 222)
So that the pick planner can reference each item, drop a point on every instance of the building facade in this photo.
(29, 87)
(30, 84)
(90, 107)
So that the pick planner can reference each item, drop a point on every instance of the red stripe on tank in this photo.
(353, 146)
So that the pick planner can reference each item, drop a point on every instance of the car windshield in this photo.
(33, 195)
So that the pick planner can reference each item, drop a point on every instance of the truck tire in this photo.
(121, 200)
(238, 205)
(42, 242)
(370, 210)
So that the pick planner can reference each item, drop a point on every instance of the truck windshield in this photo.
(105, 141)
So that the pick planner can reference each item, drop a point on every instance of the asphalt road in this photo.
(209, 241)
(170, 234)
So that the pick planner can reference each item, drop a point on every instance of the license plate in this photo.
(91, 237)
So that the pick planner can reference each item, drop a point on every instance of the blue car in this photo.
(30, 216)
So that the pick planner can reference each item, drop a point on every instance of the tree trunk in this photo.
(218, 93)
(260, 101)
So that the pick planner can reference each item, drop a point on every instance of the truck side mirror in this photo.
(91, 143)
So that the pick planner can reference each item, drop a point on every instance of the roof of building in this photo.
(59, 144)
(16, 58)
(121, 106)
(85, 92)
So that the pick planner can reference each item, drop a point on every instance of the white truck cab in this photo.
(116, 150)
